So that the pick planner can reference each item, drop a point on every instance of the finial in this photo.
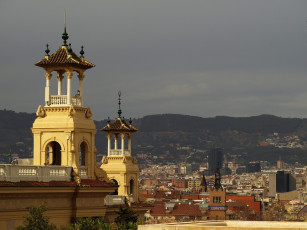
(130, 121)
(47, 50)
(69, 48)
(81, 52)
(119, 110)
(65, 34)
(109, 120)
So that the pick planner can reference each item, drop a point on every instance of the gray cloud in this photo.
(205, 58)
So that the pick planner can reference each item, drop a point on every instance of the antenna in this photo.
(65, 35)
(119, 99)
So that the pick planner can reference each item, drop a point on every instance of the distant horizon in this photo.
(159, 114)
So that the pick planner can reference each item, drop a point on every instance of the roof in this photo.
(178, 210)
(84, 183)
(303, 210)
(119, 125)
(64, 57)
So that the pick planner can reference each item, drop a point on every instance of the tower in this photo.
(119, 165)
(64, 133)
(203, 184)
(217, 196)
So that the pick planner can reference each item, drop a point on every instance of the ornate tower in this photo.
(64, 133)
(119, 165)
(217, 196)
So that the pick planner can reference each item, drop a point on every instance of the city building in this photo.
(217, 196)
(281, 182)
(253, 167)
(215, 160)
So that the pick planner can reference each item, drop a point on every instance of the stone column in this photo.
(60, 78)
(81, 77)
(109, 144)
(48, 76)
(115, 141)
(69, 76)
(129, 142)
(123, 143)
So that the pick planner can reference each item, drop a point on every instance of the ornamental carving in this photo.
(40, 112)
(88, 113)
(71, 111)
(134, 160)
(105, 160)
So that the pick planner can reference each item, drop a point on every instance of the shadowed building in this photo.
(215, 160)
(281, 182)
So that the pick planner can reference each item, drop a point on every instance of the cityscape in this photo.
(141, 141)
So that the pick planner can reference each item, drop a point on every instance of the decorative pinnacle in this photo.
(69, 48)
(82, 52)
(65, 36)
(47, 50)
(109, 120)
(130, 121)
(119, 110)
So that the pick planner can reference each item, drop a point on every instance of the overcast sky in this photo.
(196, 57)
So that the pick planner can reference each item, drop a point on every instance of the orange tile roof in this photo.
(178, 210)
(62, 57)
(119, 125)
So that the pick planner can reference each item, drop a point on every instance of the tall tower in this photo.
(119, 165)
(64, 133)
(217, 196)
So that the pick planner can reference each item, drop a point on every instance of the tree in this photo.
(126, 219)
(36, 220)
(90, 224)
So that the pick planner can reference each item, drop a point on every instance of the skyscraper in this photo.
(215, 160)
(281, 182)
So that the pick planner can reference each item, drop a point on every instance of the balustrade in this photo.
(60, 100)
(83, 172)
(118, 152)
(16, 173)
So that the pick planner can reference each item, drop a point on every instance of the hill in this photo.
(173, 137)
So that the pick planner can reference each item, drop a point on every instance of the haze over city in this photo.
(203, 58)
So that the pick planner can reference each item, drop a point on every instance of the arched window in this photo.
(116, 191)
(131, 184)
(82, 153)
(53, 153)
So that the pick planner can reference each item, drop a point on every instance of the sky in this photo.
(197, 57)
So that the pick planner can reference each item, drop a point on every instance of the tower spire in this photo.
(119, 103)
(65, 34)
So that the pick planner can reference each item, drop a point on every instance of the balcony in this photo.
(114, 200)
(61, 100)
(118, 152)
(17, 173)
(83, 172)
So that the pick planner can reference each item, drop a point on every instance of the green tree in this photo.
(36, 220)
(90, 224)
(126, 219)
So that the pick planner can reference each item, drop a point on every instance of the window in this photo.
(217, 199)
